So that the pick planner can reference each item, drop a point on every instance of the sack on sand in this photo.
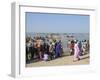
(45, 58)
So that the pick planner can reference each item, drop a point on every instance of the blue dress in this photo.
(58, 50)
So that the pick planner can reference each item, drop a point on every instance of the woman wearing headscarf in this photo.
(80, 48)
(76, 51)
(58, 49)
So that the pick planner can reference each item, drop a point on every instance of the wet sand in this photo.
(65, 60)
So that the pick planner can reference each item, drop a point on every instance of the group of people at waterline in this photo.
(78, 48)
(48, 49)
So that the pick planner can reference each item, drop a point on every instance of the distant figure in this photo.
(80, 48)
(51, 51)
(68, 44)
(76, 52)
(29, 49)
(72, 47)
(39, 48)
(46, 51)
(46, 48)
(35, 50)
(84, 47)
(88, 46)
(58, 49)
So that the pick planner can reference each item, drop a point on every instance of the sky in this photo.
(56, 23)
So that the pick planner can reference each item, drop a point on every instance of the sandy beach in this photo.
(65, 60)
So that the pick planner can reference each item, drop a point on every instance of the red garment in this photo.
(72, 46)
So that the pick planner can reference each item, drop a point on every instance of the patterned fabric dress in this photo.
(76, 52)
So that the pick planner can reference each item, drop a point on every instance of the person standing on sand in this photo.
(45, 50)
(80, 48)
(76, 52)
(39, 48)
(51, 51)
(29, 49)
(58, 49)
(72, 47)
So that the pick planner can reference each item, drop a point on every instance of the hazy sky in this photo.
(57, 23)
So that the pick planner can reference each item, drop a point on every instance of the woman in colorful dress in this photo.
(76, 52)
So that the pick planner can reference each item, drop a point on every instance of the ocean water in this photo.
(64, 36)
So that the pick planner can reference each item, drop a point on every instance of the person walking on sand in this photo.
(76, 52)
(58, 49)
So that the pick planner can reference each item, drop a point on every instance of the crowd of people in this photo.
(43, 48)
(78, 48)
(40, 48)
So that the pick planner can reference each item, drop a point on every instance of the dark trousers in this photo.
(51, 55)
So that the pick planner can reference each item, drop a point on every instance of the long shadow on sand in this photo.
(85, 57)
